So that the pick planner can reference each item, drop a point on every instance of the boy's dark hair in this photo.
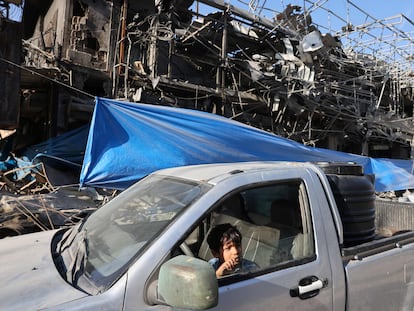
(221, 233)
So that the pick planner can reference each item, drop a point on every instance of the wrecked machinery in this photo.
(281, 74)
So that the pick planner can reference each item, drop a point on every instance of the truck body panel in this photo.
(28, 278)
(382, 280)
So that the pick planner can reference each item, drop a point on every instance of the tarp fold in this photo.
(128, 140)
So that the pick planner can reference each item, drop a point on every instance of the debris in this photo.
(227, 61)
(29, 202)
(330, 88)
(20, 214)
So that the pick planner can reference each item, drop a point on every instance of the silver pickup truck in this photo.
(310, 230)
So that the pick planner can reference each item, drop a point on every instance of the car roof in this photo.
(210, 172)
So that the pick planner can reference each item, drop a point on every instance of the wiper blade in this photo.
(78, 254)
(67, 239)
(69, 236)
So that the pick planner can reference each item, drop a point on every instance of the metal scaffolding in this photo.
(377, 50)
(388, 42)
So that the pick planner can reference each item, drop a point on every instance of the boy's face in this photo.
(230, 251)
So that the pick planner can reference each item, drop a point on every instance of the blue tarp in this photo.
(68, 147)
(63, 153)
(130, 140)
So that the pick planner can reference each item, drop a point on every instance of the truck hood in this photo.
(29, 279)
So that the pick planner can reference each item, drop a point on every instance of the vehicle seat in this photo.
(285, 216)
(258, 242)
(216, 219)
(263, 242)
(234, 206)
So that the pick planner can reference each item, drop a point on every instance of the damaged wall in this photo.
(73, 44)
(77, 31)
(10, 51)
(91, 34)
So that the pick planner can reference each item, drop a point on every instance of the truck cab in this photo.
(273, 212)
(147, 249)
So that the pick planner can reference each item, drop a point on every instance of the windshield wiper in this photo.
(69, 236)
(78, 253)
(67, 239)
(73, 251)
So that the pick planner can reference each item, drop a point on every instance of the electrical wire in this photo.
(46, 77)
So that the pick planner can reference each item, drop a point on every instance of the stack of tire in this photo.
(354, 194)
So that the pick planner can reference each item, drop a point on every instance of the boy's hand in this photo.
(228, 266)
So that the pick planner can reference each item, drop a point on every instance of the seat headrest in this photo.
(234, 206)
(283, 212)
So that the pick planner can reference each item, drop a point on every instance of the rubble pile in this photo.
(30, 202)
(20, 177)
(20, 214)
(283, 74)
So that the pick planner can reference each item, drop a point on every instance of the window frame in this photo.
(306, 219)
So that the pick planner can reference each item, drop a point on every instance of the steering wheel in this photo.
(186, 249)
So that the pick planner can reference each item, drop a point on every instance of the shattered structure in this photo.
(33, 213)
(348, 88)
(283, 74)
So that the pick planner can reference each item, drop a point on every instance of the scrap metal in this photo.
(32, 213)
(348, 89)
(283, 73)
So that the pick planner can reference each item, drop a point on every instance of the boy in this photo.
(224, 241)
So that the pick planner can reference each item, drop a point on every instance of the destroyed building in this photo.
(282, 74)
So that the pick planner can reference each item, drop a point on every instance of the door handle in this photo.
(308, 287)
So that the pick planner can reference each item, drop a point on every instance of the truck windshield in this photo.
(114, 236)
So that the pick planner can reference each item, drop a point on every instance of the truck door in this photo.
(279, 231)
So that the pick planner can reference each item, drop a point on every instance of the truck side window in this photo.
(274, 221)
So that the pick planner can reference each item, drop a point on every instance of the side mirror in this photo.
(188, 283)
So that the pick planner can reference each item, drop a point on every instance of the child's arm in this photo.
(227, 267)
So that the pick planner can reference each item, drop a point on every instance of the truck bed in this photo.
(395, 228)
(379, 245)
(380, 273)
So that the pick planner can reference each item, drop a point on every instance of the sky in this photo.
(357, 11)
(15, 12)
